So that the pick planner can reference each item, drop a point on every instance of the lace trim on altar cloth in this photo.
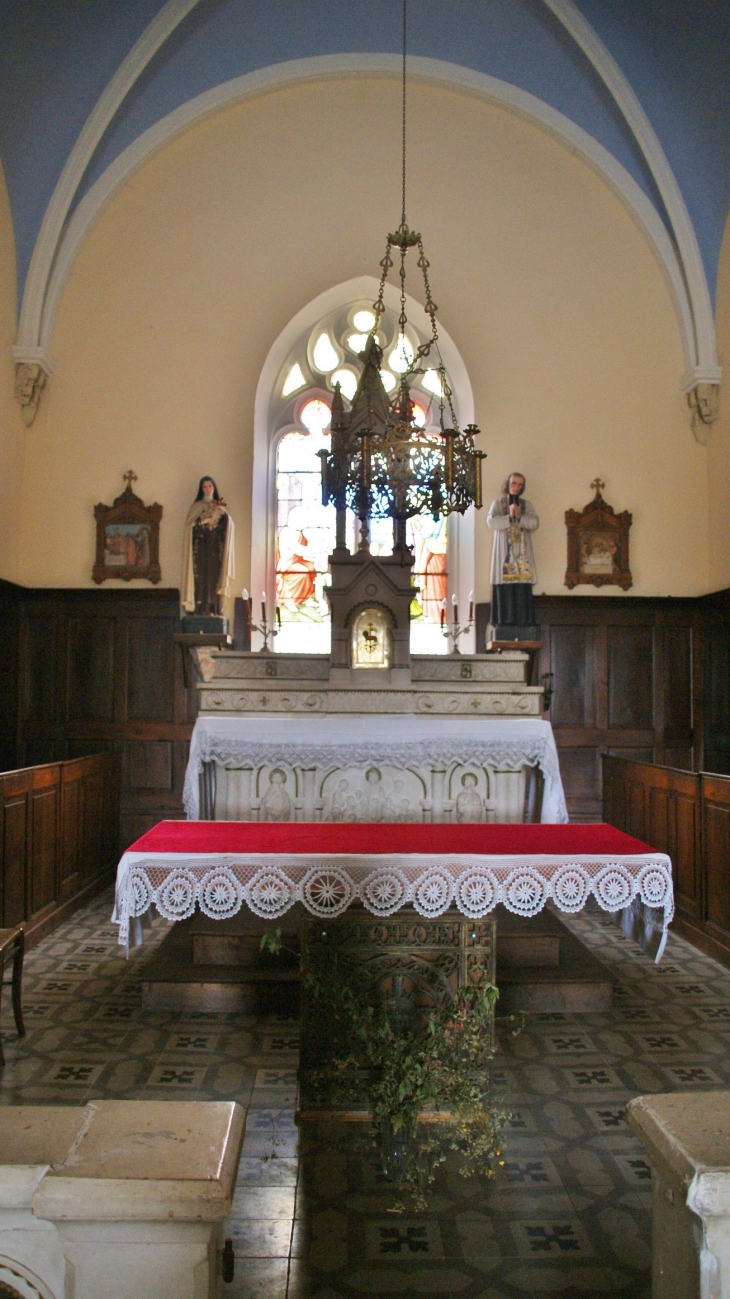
(229, 751)
(221, 886)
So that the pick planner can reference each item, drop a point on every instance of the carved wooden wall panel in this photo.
(100, 672)
(631, 678)
(687, 815)
(90, 660)
(15, 834)
(623, 684)
(60, 839)
(647, 679)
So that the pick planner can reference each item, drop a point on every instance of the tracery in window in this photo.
(305, 529)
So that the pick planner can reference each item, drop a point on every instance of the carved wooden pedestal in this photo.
(411, 963)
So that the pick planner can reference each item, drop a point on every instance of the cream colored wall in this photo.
(12, 429)
(719, 445)
(542, 279)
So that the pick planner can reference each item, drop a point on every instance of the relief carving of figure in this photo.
(276, 803)
(469, 804)
(375, 796)
(339, 802)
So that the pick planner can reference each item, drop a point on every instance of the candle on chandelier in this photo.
(443, 612)
(278, 616)
(263, 606)
(471, 606)
(455, 603)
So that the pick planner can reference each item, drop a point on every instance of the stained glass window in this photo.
(329, 353)
(305, 535)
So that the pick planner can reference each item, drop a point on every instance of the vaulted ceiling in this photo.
(82, 81)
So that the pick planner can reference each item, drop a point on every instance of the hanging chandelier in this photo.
(381, 464)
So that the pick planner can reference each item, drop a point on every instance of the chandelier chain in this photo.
(403, 203)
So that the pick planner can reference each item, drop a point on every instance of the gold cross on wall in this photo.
(129, 478)
(598, 484)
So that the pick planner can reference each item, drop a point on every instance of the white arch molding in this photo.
(58, 242)
(263, 495)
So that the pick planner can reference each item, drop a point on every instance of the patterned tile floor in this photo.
(569, 1212)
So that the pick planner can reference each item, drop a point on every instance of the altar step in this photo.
(543, 967)
(218, 965)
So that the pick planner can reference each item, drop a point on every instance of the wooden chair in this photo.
(12, 945)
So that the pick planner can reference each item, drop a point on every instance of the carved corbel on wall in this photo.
(704, 403)
(30, 379)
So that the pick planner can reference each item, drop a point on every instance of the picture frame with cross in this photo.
(127, 538)
(598, 544)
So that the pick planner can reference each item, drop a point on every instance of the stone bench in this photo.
(123, 1199)
(687, 1139)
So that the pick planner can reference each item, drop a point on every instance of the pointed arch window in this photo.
(300, 531)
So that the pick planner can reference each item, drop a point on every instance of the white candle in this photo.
(244, 593)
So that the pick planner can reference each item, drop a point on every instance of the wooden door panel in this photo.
(630, 678)
(717, 864)
(658, 829)
(685, 852)
(677, 681)
(90, 669)
(637, 818)
(44, 810)
(91, 834)
(148, 764)
(15, 848)
(40, 667)
(69, 847)
(571, 661)
(150, 669)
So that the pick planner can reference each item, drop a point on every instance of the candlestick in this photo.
(244, 593)
(278, 616)
(471, 606)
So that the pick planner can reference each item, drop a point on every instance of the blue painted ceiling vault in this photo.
(56, 59)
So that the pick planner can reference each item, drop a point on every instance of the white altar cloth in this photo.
(401, 741)
(221, 866)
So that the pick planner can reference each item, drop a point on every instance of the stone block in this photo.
(687, 1138)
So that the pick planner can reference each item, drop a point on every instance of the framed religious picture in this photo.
(127, 537)
(598, 544)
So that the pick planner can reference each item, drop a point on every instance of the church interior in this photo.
(365, 594)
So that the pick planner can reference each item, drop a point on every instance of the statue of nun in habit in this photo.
(208, 568)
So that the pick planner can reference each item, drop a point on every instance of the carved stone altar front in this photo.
(362, 734)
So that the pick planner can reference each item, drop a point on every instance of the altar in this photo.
(374, 768)
(222, 868)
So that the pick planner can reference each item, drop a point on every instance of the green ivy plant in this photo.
(438, 1069)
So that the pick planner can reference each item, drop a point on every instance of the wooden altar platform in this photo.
(217, 965)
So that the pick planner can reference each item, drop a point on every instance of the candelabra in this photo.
(456, 629)
(266, 629)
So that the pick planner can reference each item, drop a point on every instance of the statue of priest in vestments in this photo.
(513, 520)
(208, 562)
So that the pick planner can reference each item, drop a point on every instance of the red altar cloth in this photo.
(233, 837)
(221, 866)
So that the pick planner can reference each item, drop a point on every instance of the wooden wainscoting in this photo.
(99, 670)
(687, 815)
(622, 672)
(90, 670)
(60, 839)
